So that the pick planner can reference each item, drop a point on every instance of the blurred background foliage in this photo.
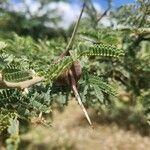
(26, 22)
(36, 40)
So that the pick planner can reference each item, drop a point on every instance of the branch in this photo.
(105, 12)
(36, 79)
(27, 8)
(71, 41)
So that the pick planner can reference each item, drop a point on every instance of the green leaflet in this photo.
(13, 141)
(4, 119)
(9, 98)
(12, 68)
(99, 50)
(2, 45)
(5, 59)
(92, 34)
(85, 92)
(93, 88)
(17, 76)
(57, 69)
(15, 73)
(106, 88)
(98, 93)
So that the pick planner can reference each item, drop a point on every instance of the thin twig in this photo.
(71, 41)
(105, 12)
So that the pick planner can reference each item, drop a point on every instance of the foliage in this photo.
(39, 24)
(13, 130)
(34, 100)
(98, 65)
(135, 39)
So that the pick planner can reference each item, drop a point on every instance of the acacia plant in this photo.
(30, 82)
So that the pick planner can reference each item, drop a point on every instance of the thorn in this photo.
(81, 104)
(74, 88)
(75, 91)
(25, 91)
(40, 115)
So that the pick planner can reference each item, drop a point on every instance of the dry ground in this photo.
(70, 131)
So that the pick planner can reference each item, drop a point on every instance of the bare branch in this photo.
(70, 44)
(71, 41)
(105, 12)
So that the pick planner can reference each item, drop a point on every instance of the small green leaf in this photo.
(98, 93)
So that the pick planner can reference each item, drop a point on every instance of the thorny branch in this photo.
(71, 75)
(36, 79)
